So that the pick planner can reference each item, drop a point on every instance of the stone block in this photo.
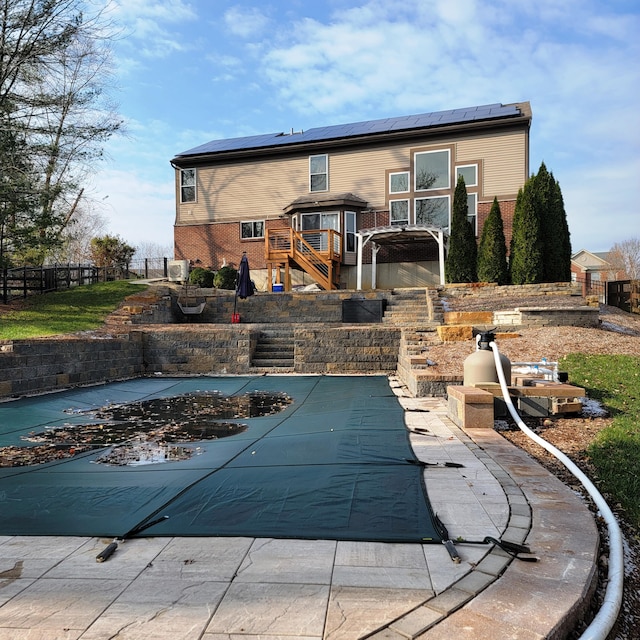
(470, 407)
(455, 333)
(468, 317)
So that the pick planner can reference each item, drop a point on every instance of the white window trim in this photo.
(441, 197)
(400, 222)
(195, 185)
(415, 173)
(252, 223)
(326, 172)
(354, 216)
(399, 173)
(322, 213)
(463, 166)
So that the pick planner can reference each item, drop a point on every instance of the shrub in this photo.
(203, 278)
(226, 278)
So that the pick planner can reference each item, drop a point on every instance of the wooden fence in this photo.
(624, 294)
(26, 281)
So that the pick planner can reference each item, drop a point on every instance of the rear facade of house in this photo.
(326, 203)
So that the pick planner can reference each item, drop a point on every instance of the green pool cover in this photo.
(336, 463)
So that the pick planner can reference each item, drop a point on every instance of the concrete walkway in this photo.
(52, 588)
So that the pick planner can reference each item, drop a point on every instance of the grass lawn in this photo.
(614, 380)
(77, 309)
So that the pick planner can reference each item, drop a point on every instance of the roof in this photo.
(490, 113)
(314, 200)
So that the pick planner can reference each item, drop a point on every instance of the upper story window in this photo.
(431, 170)
(470, 174)
(252, 229)
(319, 173)
(187, 185)
(399, 182)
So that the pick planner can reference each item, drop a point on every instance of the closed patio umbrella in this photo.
(244, 286)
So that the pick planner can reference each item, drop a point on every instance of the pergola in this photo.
(397, 234)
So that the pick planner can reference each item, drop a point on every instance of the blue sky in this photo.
(190, 71)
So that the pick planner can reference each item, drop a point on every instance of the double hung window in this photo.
(319, 173)
(187, 185)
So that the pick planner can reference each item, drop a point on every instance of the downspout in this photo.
(606, 617)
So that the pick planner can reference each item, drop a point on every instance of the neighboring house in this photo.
(593, 266)
(354, 205)
(592, 269)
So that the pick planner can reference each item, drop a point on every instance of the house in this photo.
(593, 269)
(359, 205)
(588, 266)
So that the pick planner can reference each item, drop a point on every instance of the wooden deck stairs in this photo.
(318, 253)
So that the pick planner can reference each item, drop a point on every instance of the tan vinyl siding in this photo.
(503, 155)
(262, 188)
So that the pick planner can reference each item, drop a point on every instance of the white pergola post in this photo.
(359, 267)
(441, 255)
(374, 264)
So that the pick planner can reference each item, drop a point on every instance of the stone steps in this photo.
(407, 307)
(274, 350)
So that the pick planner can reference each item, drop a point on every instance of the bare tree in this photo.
(54, 69)
(152, 250)
(625, 257)
(76, 237)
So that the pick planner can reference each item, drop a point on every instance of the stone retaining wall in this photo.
(30, 367)
(548, 317)
(488, 290)
(34, 366)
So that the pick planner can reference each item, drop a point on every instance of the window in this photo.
(472, 214)
(432, 212)
(312, 221)
(470, 174)
(187, 185)
(399, 211)
(319, 173)
(350, 230)
(253, 229)
(432, 170)
(399, 182)
(319, 221)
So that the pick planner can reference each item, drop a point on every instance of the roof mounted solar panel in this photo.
(357, 129)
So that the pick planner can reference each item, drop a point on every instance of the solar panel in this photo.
(354, 129)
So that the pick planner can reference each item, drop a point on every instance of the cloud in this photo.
(577, 61)
(137, 209)
(246, 23)
(144, 22)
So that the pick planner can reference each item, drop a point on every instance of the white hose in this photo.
(607, 615)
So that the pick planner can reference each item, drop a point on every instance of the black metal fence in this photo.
(25, 281)
(594, 288)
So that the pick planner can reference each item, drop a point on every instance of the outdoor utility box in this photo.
(359, 310)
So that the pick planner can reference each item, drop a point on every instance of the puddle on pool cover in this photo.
(147, 432)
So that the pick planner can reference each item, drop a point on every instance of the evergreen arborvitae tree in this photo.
(492, 252)
(554, 230)
(526, 264)
(461, 261)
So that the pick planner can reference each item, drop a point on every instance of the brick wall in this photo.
(216, 244)
(507, 208)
